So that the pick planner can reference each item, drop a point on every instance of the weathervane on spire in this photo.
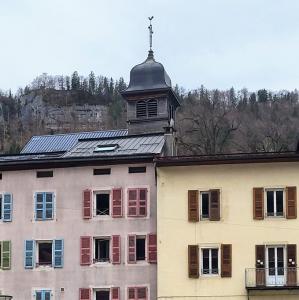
(150, 28)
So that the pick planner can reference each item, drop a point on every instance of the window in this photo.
(101, 171)
(137, 202)
(44, 253)
(5, 255)
(43, 174)
(102, 204)
(44, 206)
(137, 170)
(209, 261)
(140, 248)
(102, 295)
(205, 205)
(43, 295)
(141, 109)
(137, 293)
(102, 250)
(152, 108)
(105, 148)
(147, 109)
(6, 207)
(275, 203)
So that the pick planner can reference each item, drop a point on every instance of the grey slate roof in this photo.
(64, 142)
(130, 145)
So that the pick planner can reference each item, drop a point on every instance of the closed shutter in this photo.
(84, 294)
(258, 203)
(132, 202)
(49, 206)
(132, 293)
(260, 265)
(115, 293)
(193, 207)
(193, 261)
(7, 207)
(117, 210)
(39, 206)
(6, 255)
(87, 204)
(292, 264)
(142, 205)
(215, 205)
(132, 249)
(291, 202)
(116, 253)
(85, 250)
(142, 293)
(29, 254)
(58, 253)
(152, 248)
(226, 260)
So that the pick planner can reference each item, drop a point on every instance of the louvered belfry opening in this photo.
(141, 109)
(152, 108)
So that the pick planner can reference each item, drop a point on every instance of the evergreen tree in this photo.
(92, 83)
(75, 81)
(67, 82)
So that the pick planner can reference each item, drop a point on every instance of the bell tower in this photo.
(151, 101)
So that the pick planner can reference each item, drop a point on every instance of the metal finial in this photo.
(150, 28)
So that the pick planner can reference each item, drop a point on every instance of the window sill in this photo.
(101, 264)
(209, 275)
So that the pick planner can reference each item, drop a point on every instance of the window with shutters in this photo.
(204, 205)
(274, 202)
(140, 248)
(5, 255)
(44, 253)
(5, 207)
(138, 293)
(102, 294)
(44, 206)
(210, 261)
(102, 203)
(102, 250)
(43, 295)
(137, 202)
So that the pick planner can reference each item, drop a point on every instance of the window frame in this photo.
(97, 192)
(37, 243)
(43, 295)
(210, 248)
(98, 289)
(274, 190)
(145, 237)
(207, 192)
(106, 237)
(44, 209)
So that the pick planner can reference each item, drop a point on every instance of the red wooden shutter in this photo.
(193, 261)
(132, 202)
(214, 205)
(226, 260)
(152, 248)
(260, 265)
(258, 203)
(87, 204)
(291, 203)
(85, 250)
(132, 293)
(193, 207)
(142, 202)
(116, 249)
(292, 264)
(131, 248)
(84, 294)
(117, 210)
(142, 293)
(115, 293)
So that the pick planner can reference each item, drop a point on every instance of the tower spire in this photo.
(150, 28)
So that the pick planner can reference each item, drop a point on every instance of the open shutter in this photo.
(152, 248)
(85, 250)
(142, 202)
(84, 294)
(291, 202)
(87, 204)
(131, 248)
(115, 293)
(193, 207)
(116, 249)
(193, 261)
(132, 293)
(58, 254)
(29, 254)
(7, 207)
(132, 202)
(215, 205)
(6, 255)
(258, 203)
(226, 260)
(260, 265)
(117, 210)
(292, 264)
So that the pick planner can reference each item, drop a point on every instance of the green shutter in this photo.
(6, 255)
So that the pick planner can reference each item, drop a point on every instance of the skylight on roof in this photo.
(105, 148)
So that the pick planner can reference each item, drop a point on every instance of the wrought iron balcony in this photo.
(272, 278)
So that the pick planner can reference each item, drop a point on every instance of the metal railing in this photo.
(271, 277)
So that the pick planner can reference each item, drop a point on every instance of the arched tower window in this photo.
(141, 109)
(152, 108)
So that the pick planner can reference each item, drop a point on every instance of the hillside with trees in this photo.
(208, 122)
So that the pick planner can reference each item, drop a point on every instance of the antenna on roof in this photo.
(150, 28)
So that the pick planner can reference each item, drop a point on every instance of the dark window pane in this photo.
(102, 250)
(47, 295)
(39, 198)
(271, 261)
(140, 248)
(279, 203)
(0, 207)
(206, 261)
(101, 171)
(270, 203)
(38, 295)
(205, 205)
(45, 253)
(43, 174)
(214, 261)
(102, 204)
(102, 295)
(137, 169)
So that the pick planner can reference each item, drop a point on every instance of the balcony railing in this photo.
(272, 278)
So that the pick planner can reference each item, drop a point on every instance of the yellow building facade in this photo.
(228, 227)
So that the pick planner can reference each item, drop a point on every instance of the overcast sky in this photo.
(217, 43)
